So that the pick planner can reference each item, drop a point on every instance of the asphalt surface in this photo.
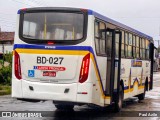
(46, 108)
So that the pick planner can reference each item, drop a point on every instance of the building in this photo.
(6, 42)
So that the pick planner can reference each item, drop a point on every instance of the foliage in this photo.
(5, 75)
(5, 89)
(8, 57)
(1, 62)
(6, 71)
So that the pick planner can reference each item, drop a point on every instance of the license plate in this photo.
(49, 73)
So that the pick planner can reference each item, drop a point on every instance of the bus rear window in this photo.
(52, 26)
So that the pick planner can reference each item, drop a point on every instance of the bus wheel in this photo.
(64, 107)
(142, 96)
(118, 105)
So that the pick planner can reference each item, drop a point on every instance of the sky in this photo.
(142, 15)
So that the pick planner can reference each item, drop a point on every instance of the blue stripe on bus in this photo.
(90, 12)
(18, 12)
(126, 87)
(85, 48)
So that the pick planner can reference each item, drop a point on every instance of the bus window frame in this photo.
(64, 42)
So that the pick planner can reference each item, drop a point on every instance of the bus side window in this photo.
(100, 38)
(126, 44)
(122, 47)
(117, 45)
(134, 46)
(97, 37)
(143, 50)
(130, 45)
(141, 53)
(137, 47)
(102, 27)
(109, 44)
(147, 49)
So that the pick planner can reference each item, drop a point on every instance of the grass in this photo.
(5, 89)
(1, 61)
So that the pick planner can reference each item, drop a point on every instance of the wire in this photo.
(22, 3)
(36, 2)
(3, 23)
(39, 2)
(6, 19)
(3, 13)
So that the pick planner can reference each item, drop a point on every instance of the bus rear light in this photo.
(84, 68)
(17, 66)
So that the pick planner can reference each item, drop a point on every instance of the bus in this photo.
(76, 56)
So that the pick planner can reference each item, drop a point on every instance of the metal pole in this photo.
(3, 52)
(158, 42)
(0, 33)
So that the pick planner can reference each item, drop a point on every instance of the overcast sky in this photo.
(143, 15)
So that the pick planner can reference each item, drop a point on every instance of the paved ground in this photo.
(151, 103)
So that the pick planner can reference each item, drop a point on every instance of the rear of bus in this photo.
(51, 59)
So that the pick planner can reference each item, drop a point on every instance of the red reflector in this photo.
(82, 93)
(17, 66)
(24, 9)
(50, 43)
(84, 10)
(84, 68)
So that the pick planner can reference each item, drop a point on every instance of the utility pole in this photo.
(0, 31)
(2, 46)
(158, 42)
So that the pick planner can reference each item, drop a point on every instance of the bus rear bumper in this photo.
(46, 91)
(73, 92)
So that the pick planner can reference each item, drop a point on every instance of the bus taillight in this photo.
(17, 66)
(84, 68)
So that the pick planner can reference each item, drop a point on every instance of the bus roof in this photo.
(91, 12)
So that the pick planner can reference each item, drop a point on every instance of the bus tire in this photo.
(118, 106)
(64, 107)
(142, 96)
